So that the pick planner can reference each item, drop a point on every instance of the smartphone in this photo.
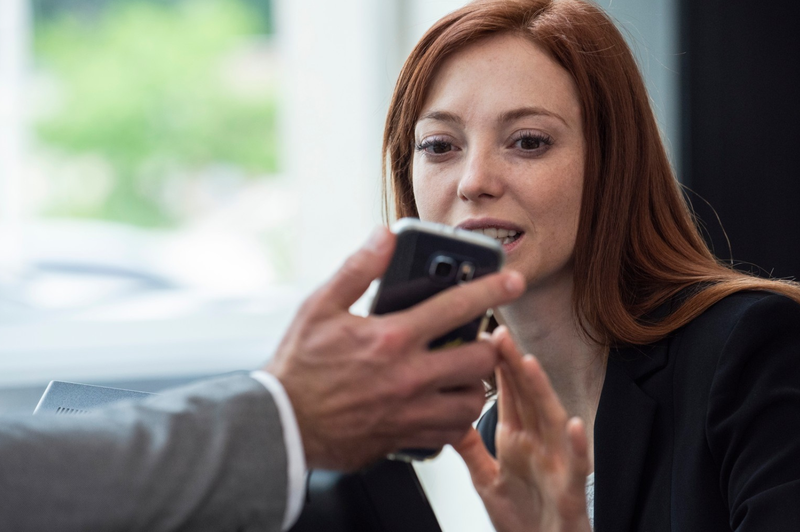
(429, 258)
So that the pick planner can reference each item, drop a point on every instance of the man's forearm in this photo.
(209, 456)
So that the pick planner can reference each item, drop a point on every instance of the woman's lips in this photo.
(508, 248)
(498, 229)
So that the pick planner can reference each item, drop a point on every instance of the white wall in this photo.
(338, 71)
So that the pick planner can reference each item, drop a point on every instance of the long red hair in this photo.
(637, 245)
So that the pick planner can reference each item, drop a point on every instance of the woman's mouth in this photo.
(508, 238)
(504, 236)
(508, 234)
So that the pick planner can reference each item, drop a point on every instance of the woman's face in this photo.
(500, 149)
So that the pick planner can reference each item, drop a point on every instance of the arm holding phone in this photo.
(362, 387)
(212, 454)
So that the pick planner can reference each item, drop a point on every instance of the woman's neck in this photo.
(542, 322)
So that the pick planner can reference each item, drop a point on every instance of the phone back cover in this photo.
(406, 281)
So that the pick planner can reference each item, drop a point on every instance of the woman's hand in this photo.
(538, 481)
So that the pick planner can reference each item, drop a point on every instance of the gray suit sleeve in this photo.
(209, 456)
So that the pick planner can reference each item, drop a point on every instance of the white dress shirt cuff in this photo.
(295, 455)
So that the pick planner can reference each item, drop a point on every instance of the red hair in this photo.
(637, 244)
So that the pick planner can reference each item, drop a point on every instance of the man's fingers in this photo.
(455, 367)
(433, 439)
(458, 305)
(482, 467)
(454, 410)
(360, 269)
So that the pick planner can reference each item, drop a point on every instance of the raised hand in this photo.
(364, 387)
(537, 482)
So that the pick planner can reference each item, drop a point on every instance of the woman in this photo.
(672, 377)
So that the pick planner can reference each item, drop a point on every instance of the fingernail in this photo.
(377, 241)
(515, 284)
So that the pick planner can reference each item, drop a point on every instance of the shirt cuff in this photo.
(295, 455)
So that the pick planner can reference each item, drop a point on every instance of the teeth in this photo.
(505, 236)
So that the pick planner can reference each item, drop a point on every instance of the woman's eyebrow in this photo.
(522, 112)
(442, 116)
(508, 116)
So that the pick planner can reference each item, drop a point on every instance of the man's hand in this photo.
(364, 387)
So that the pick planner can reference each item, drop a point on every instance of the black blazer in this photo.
(701, 432)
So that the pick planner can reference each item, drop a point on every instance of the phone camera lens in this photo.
(443, 268)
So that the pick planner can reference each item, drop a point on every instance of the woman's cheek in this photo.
(432, 196)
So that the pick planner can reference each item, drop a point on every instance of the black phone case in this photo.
(407, 281)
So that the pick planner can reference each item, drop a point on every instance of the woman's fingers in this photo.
(527, 399)
(508, 349)
(511, 406)
(579, 455)
(507, 400)
(538, 405)
(540, 393)
(482, 467)
(543, 457)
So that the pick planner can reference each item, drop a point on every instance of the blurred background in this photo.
(176, 175)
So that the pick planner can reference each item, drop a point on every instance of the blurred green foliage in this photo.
(142, 85)
(48, 9)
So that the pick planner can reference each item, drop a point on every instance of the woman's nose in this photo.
(481, 180)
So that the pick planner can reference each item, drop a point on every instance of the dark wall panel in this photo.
(741, 127)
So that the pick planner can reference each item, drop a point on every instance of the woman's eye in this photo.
(434, 146)
(533, 142)
(529, 143)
